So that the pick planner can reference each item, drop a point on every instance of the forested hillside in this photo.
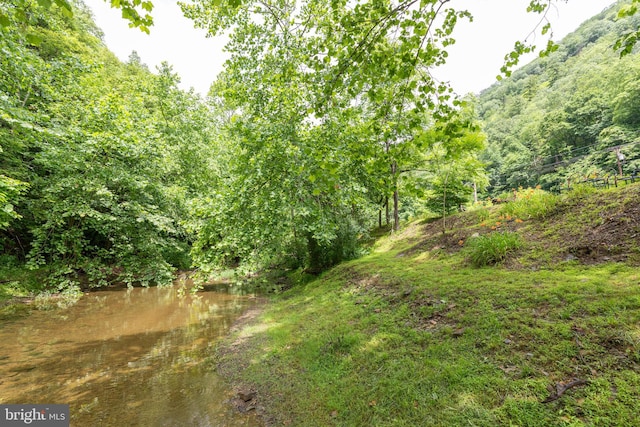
(560, 118)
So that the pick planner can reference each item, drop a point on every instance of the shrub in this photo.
(492, 248)
(531, 203)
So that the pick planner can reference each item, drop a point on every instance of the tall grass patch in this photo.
(493, 248)
(531, 203)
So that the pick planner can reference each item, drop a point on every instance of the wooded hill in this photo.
(560, 117)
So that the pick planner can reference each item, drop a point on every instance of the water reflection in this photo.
(125, 358)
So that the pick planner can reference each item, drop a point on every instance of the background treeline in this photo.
(559, 117)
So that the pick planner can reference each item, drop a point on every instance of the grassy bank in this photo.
(416, 334)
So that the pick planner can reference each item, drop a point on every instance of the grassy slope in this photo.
(413, 335)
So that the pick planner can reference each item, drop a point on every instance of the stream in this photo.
(136, 357)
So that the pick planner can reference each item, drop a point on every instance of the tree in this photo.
(452, 158)
(301, 77)
(100, 159)
(20, 11)
(303, 94)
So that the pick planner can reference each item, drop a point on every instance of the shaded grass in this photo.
(429, 341)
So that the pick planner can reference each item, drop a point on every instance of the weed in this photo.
(492, 248)
(20, 282)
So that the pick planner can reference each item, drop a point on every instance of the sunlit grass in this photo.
(376, 343)
(413, 334)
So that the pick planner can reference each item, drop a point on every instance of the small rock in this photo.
(458, 332)
(507, 341)
(247, 408)
(529, 355)
(247, 395)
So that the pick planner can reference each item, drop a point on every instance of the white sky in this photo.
(474, 61)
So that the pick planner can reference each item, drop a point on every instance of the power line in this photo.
(501, 178)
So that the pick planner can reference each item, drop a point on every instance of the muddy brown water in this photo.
(134, 357)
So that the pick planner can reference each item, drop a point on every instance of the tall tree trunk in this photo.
(396, 215)
(386, 207)
(475, 193)
(444, 203)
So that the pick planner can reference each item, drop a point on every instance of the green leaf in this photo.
(34, 39)
(546, 28)
(4, 20)
(65, 7)
(45, 3)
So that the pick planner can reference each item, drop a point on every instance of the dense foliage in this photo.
(564, 118)
(333, 115)
(98, 157)
(325, 123)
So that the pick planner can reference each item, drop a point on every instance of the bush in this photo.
(492, 248)
(531, 203)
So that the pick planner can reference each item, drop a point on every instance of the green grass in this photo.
(414, 334)
(492, 248)
(399, 341)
